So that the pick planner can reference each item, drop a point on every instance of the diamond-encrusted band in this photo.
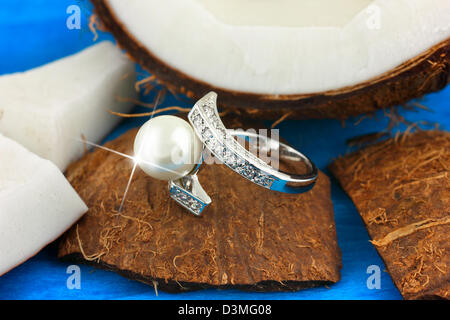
(206, 121)
(188, 192)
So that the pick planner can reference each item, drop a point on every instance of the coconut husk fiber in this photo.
(401, 188)
(249, 237)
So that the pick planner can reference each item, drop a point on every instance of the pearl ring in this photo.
(169, 148)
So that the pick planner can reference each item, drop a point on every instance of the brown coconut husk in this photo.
(425, 73)
(249, 238)
(401, 188)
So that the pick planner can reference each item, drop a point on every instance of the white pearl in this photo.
(167, 148)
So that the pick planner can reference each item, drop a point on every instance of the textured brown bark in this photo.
(401, 188)
(426, 73)
(249, 238)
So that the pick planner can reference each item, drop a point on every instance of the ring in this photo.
(156, 146)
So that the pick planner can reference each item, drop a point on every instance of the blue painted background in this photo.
(34, 32)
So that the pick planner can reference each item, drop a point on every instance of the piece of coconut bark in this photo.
(248, 238)
(37, 204)
(50, 108)
(401, 188)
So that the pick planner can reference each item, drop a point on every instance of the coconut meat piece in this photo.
(51, 108)
(284, 46)
(37, 204)
(285, 13)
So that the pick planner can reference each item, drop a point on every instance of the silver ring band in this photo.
(208, 126)
(284, 181)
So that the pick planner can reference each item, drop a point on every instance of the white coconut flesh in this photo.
(284, 46)
(37, 204)
(49, 109)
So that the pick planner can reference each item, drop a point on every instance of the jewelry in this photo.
(169, 148)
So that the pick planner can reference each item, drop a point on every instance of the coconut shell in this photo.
(249, 237)
(425, 73)
(401, 188)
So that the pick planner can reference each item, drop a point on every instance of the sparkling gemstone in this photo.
(219, 150)
(263, 180)
(248, 171)
(231, 160)
(198, 121)
(222, 132)
(195, 205)
(209, 111)
(184, 196)
(227, 155)
(207, 134)
(211, 142)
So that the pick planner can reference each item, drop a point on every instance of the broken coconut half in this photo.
(313, 58)
(51, 109)
(37, 204)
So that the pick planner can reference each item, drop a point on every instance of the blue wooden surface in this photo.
(34, 32)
